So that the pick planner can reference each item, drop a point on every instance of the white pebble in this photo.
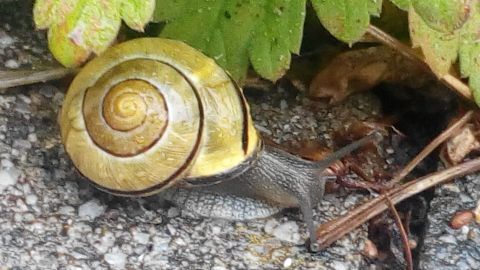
(287, 263)
(25, 99)
(107, 241)
(22, 144)
(270, 225)
(179, 241)
(171, 229)
(32, 137)
(8, 177)
(66, 210)
(339, 265)
(288, 232)
(31, 199)
(173, 212)
(140, 237)
(450, 239)
(116, 259)
(5, 40)
(6, 163)
(91, 209)
(216, 230)
(10, 63)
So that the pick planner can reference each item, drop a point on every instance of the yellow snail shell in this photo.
(151, 111)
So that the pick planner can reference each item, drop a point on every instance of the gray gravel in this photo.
(20, 46)
(52, 219)
(446, 248)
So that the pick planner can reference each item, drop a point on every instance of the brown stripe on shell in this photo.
(245, 115)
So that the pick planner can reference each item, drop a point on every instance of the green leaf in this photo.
(136, 13)
(474, 84)
(347, 20)
(79, 27)
(97, 26)
(440, 49)
(402, 4)
(469, 53)
(47, 13)
(236, 32)
(167, 10)
(63, 48)
(443, 15)
(375, 7)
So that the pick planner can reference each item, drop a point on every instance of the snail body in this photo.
(154, 115)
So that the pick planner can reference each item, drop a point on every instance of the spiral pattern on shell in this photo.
(151, 111)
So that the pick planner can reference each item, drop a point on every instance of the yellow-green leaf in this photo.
(440, 49)
(49, 12)
(137, 13)
(375, 7)
(79, 27)
(469, 53)
(402, 4)
(61, 46)
(97, 26)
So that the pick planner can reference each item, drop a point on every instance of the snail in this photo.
(154, 115)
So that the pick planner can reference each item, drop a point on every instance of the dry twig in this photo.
(24, 77)
(431, 146)
(331, 231)
(403, 233)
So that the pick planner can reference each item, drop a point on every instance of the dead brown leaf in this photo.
(460, 145)
(362, 69)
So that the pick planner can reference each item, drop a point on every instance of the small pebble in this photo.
(116, 259)
(32, 137)
(10, 63)
(450, 239)
(140, 237)
(5, 39)
(66, 210)
(476, 212)
(8, 177)
(48, 90)
(22, 144)
(461, 218)
(287, 263)
(91, 209)
(31, 199)
(370, 249)
(173, 212)
(270, 225)
(6, 163)
(288, 232)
